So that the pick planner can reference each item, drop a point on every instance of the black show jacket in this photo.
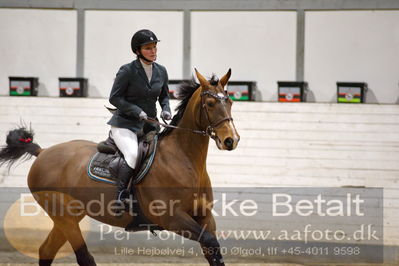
(133, 93)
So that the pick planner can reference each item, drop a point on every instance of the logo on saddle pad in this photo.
(98, 166)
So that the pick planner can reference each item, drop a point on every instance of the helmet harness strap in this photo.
(142, 57)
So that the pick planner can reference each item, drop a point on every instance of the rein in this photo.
(152, 120)
(210, 129)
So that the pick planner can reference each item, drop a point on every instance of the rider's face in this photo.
(149, 51)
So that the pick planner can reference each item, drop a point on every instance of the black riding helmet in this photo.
(141, 38)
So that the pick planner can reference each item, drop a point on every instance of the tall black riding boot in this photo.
(122, 172)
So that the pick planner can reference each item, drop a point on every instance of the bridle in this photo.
(212, 126)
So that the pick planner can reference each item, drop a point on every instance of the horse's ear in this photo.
(203, 81)
(225, 78)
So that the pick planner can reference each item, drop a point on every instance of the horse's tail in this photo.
(19, 145)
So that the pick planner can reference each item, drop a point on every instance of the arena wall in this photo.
(356, 45)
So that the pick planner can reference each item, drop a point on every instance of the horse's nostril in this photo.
(229, 143)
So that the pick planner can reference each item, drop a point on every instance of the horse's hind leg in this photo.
(65, 229)
(70, 227)
(54, 241)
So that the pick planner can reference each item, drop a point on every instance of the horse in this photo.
(178, 177)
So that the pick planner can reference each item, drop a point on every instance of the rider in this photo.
(137, 87)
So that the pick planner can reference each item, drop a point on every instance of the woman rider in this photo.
(137, 87)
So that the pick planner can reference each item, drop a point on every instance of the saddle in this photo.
(98, 170)
(107, 151)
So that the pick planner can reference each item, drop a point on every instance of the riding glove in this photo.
(166, 115)
(143, 116)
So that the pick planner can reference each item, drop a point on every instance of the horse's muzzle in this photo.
(228, 142)
(231, 143)
(227, 137)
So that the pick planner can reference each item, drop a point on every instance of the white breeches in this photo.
(126, 141)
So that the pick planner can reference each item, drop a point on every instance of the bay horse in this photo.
(179, 164)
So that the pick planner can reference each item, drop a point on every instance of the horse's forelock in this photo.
(214, 80)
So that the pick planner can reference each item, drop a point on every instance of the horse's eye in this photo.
(210, 103)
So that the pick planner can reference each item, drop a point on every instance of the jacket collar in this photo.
(155, 71)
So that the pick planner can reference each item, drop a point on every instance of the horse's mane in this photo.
(184, 93)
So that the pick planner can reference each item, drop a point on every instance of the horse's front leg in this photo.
(208, 223)
(184, 225)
